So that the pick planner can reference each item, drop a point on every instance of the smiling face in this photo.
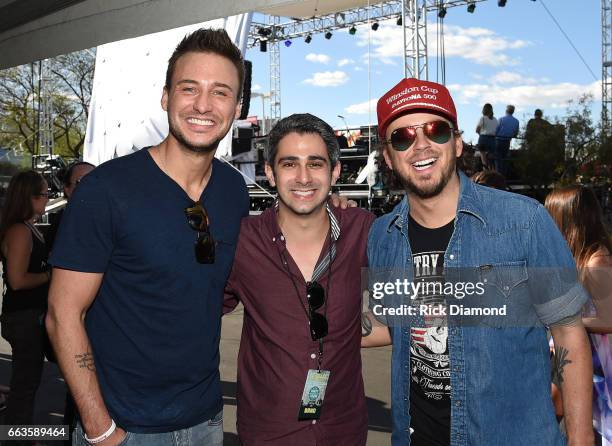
(426, 167)
(302, 173)
(202, 100)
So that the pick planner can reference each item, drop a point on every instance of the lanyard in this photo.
(297, 293)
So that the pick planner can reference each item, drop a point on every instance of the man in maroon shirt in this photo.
(297, 272)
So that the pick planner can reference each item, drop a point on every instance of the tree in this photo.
(566, 151)
(70, 83)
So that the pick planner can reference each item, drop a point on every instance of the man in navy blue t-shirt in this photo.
(140, 263)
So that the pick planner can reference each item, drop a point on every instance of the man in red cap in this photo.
(458, 379)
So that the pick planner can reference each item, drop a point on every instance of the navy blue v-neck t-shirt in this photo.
(155, 323)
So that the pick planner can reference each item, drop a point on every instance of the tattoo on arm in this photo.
(366, 325)
(85, 361)
(560, 361)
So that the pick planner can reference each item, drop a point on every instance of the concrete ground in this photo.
(376, 372)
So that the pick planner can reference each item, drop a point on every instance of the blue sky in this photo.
(514, 54)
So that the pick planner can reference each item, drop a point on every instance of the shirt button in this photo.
(458, 403)
(314, 421)
(457, 368)
(313, 356)
(506, 288)
(282, 237)
(273, 239)
(452, 256)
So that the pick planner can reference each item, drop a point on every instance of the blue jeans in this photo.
(208, 433)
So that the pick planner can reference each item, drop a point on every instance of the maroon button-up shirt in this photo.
(276, 349)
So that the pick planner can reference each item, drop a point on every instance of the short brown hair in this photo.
(214, 41)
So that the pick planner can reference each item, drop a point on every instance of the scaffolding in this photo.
(412, 13)
(606, 66)
(45, 104)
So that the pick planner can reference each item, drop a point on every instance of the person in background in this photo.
(72, 177)
(486, 127)
(490, 178)
(535, 128)
(26, 278)
(507, 129)
(577, 212)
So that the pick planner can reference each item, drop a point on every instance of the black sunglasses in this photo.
(197, 217)
(404, 137)
(316, 298)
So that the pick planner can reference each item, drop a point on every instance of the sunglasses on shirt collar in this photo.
(197, 218)
(315, 294)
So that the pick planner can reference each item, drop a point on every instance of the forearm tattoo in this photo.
(85, 361)
(560, 361)
(366, 325)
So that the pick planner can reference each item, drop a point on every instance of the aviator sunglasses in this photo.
(197, 218)
(403, 138)
(316, 298)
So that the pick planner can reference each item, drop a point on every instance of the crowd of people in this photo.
(495, 136)
(155, 246)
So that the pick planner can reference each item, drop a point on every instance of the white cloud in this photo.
(343, 62)
(358, 69)
(479, 45)
(255, 87)
(362, 108)
(327, 79)
(508, 77)
(318, 58)
(544, 95)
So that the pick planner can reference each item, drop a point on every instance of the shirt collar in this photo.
(469, 203)
(333, 221)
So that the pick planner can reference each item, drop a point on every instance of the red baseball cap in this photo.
(414, 94)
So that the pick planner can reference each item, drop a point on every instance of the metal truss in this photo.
(606, 66)
(46, 110)
(413, 15)
(275, 76)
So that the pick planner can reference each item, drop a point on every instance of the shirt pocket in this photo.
(505, 302)
(503, 278)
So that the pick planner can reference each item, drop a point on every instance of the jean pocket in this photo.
(217, 420)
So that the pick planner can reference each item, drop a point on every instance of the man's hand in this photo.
(341, 202)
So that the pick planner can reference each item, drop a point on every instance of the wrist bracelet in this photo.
(102, 437)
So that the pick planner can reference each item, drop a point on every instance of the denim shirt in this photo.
(500, 376)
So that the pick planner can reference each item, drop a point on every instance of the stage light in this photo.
(264, 32)
(442, 12)
(263, 46)
(399, 21)
(328, 35)
(288, 43)
(375, 26)
(471, 7)
(352, 30)
(501, 3)
(308, 38)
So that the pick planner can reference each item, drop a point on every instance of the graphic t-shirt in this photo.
(430, 384)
